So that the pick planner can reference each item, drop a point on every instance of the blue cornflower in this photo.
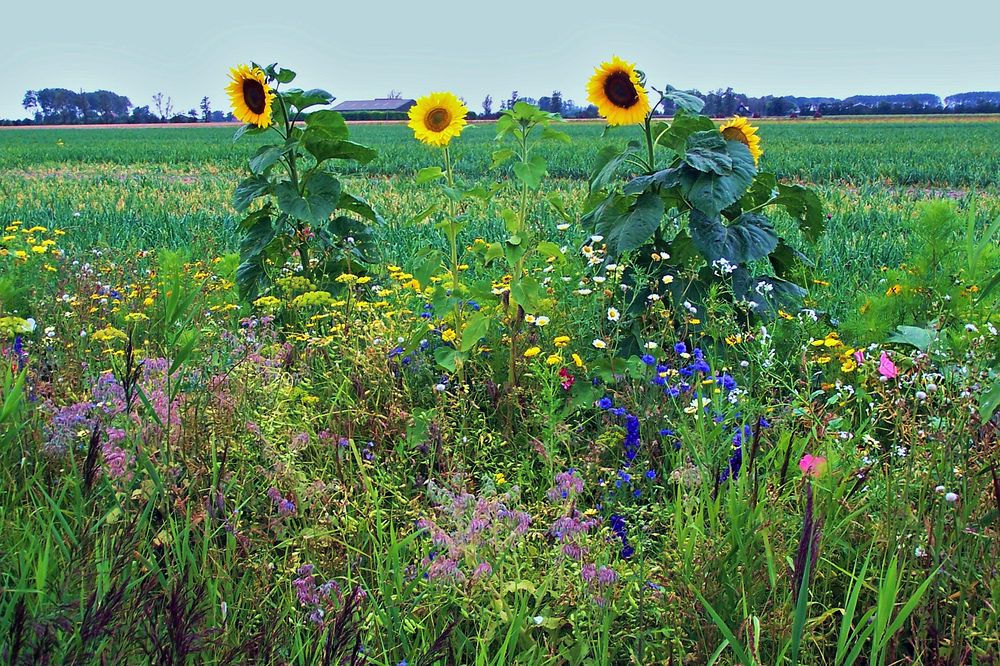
(651, 474)
(680, 348)
(649, 359)
(605, 403)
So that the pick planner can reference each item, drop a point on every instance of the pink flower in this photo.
(812, 465)
(886, 367)
(859, 356)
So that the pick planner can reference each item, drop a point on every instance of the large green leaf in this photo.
(707, 151)
(635, 227)
(804, 205)
(769, 293)
(258, 232)
(789, 264)
(248, 190)
(319, 200)
(684, 100)
(360, 207)
(915, 336)
(265, 157)
(608, 161)
(323, 148)
(989, 401)
(475, 328)
(531, 172)
(328, 123)
(684, 124)
(304, 99)
(711, 193)
(749, 237)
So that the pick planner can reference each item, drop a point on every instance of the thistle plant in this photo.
(305, 211)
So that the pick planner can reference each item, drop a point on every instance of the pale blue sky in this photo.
(364, 48)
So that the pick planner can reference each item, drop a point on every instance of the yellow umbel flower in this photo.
(438, 118)
(740, 129)
(616, 89)
(250, 95)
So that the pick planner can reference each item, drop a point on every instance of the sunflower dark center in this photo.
(620, 90)
(254, 96)
(438, 119)
(736, 134)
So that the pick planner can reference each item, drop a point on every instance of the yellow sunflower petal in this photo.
(616, 90)
(438, 118)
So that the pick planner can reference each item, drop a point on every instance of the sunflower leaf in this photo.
(684, 124)
(636, 225)
(684, 100)
(531, 172)
(706, 151)
(427, 174)
(710, 192)
(265, 158)
(749, 237)
(359, 206)
(608, 161)
(282, 75)
(322, 193)
(329, 124)
(248, 190)
(323, 149)
(303, 99)
(804, 205)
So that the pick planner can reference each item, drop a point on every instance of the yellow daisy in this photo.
(616, 90)
(437, 118)
(740, 129)
(250, 95)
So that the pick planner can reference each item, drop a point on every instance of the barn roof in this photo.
(380, 104)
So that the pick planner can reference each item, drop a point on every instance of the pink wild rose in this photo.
(886, 367)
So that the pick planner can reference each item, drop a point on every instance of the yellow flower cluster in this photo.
(312, 299)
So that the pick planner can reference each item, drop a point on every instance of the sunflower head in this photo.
(617, 91)
(740, 129)
(250, 95)
(437, 118)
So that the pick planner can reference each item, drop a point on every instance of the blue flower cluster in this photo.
(619, 528)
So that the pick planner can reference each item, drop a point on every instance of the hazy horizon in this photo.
(364, 51)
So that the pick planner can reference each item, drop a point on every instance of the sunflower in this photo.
(250, 95)
(437, 118)
(618, 93)
(740, 129)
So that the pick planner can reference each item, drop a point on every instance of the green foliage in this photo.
(714, 199)
(953, 256)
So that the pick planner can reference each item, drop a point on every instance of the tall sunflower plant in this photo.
(688, 204)
(436, 120)
(298, 215)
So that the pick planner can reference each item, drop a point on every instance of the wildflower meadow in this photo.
(644, 390)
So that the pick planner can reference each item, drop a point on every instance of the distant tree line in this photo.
(728, 102)
(60, 106)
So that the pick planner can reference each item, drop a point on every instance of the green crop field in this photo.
(464, 429)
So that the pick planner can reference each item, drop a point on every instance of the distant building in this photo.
(381, 105)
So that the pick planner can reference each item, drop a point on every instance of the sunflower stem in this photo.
(648, 130)
(453, 241)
